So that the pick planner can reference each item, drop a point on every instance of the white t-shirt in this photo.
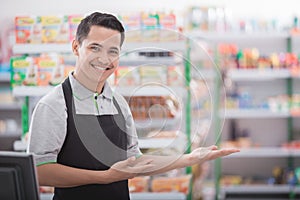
(48, 127)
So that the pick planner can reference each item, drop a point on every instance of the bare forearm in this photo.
(58, 175)
(163, 164)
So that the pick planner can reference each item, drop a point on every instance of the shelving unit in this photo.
(41, 48)
(252, 118)
(4, 77)
(258, 74)
(264, 191)
(9, 106)
(151, 89)
(10, 114)
(267, 152)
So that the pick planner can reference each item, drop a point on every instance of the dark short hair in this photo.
(98, 19)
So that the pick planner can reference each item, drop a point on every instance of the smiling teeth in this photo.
(100, 68)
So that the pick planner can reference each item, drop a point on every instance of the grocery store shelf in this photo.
(156, 61)
(127, 47)
(150, 89)
(154, 46)
(141, 196)
(203, 74)
(41, 48)
(31, 90)
(242, 189)
(10, 106)
(209, 35)
(10, 134)
(4, 77)
(258, 74)
(265, 152)
(251, 113)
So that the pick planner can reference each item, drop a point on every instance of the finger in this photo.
(213, 147)
(223, 152)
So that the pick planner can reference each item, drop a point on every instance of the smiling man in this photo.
(82, 133)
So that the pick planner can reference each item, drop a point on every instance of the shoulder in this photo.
(54, 100)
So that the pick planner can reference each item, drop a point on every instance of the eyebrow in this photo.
(100, 45)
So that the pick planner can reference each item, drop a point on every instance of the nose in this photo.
(103, 60)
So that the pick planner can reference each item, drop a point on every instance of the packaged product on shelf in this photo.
(49, 69)
(175, 76)
(154, 107)
(68, 69)
(275, 63)
(74, 21)
(154, 74)
(24, 71)
(132, 26)
(126, 76)
(139, 184)
(295, 105)
(171, 184)
(167, 27)
(55, 29)
(28, 29)
(150, 27)
(231, 180)
(228, 54)
(198, 18)
(57, 74)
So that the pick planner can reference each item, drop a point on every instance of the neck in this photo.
(100, 87)
(86, 82)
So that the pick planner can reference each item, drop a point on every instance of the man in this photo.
(83, 135)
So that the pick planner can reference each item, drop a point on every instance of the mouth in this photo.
(101, 68)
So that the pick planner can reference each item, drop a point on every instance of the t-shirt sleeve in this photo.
(132, 138)
(46, 134)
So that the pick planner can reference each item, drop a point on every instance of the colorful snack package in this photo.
(24, 72)
(55, 29)
(155, 74)
(28, 29)
(47, 64)
(132, 26)
(150, 27)
(74, 21)
(126, 76)
(167, 27)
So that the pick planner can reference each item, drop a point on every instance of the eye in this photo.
(113, 52)
(95, 48)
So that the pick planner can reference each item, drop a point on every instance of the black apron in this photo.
(80, 150)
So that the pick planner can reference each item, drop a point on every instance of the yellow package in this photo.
(55, 29)
(154, 74)
(47, 64)
(127, 76)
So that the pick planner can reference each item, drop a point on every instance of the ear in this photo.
(75, 47)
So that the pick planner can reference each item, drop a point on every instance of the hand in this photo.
(203, 154)
(128, 169)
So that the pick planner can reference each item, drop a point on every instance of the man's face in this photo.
(98, 55)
